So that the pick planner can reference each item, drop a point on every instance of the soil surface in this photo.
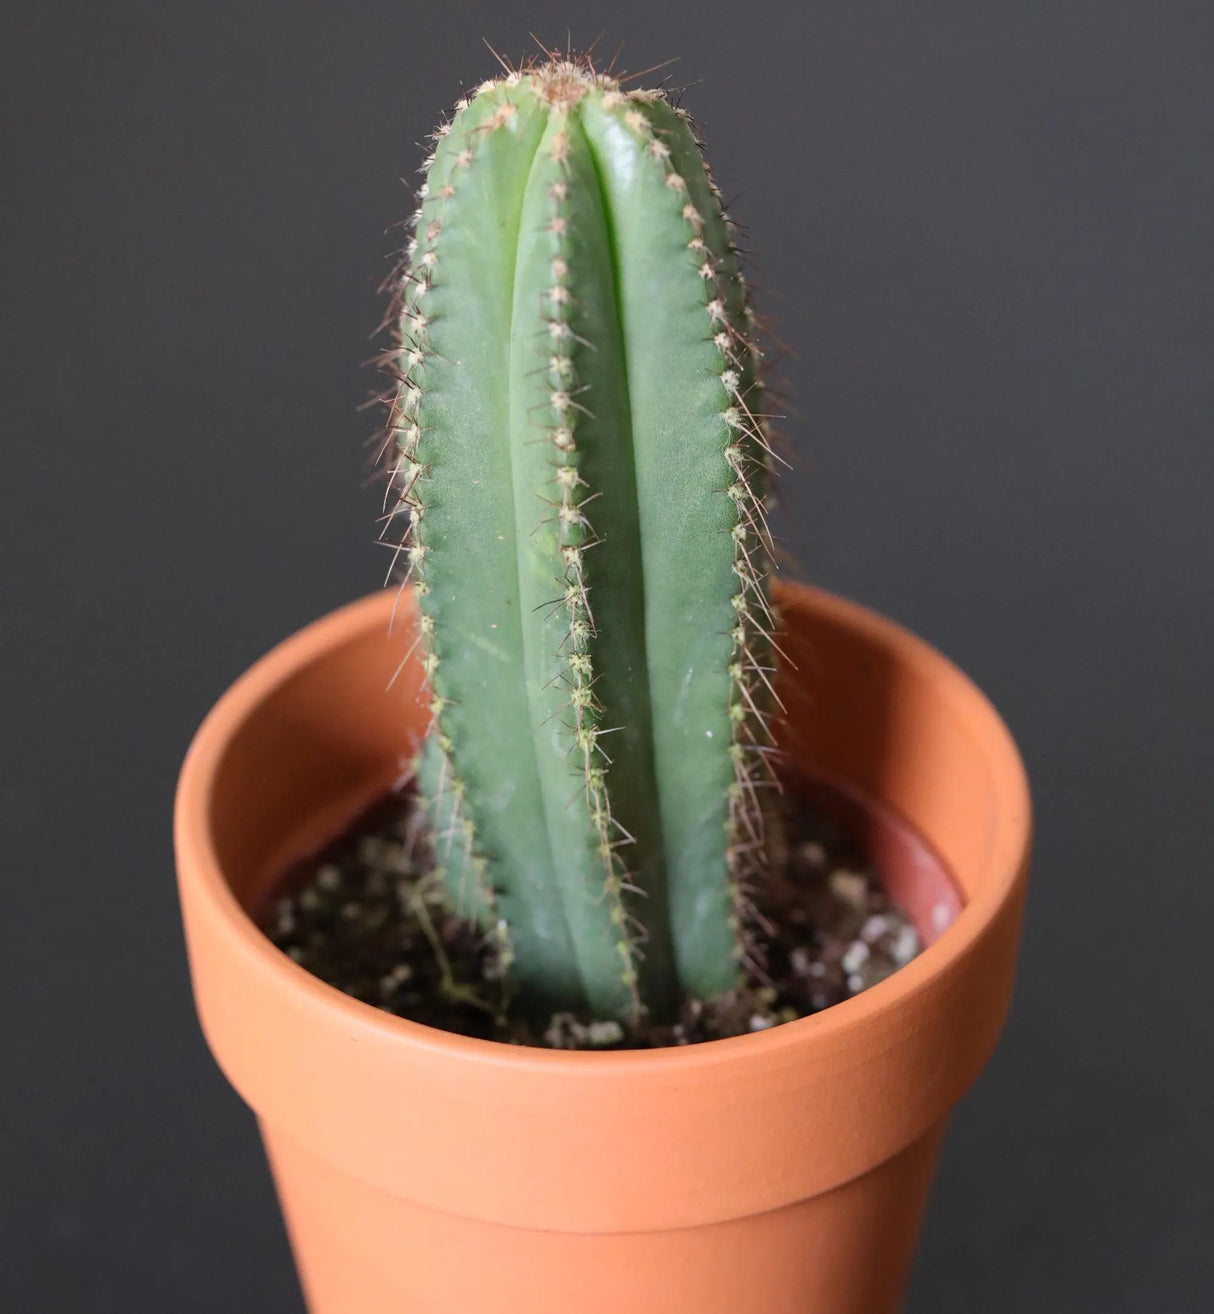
(367, 916)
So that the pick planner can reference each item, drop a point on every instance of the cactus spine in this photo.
(581, 461)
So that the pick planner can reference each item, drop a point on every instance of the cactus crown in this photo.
(579, 457)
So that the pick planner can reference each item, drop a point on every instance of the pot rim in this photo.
(1009, 846)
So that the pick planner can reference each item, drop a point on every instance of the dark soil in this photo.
(366, 915)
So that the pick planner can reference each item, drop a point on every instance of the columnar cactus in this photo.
(581, 458)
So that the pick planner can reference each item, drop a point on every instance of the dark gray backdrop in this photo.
(985, 231)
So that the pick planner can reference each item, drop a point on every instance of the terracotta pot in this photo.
(783, 1172)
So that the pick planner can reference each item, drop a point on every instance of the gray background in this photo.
(985, 232)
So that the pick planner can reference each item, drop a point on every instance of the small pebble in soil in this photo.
(367, 916)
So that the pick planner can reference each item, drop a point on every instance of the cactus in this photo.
(580, 456)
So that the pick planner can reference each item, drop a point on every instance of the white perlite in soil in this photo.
(367, 915)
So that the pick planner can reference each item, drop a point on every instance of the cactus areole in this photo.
(580, 460)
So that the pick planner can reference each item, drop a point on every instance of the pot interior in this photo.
(864, 737)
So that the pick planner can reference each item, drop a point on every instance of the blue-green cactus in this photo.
(581, 458)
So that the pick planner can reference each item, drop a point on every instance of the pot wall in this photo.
(422, 1171)
(847, 1251)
